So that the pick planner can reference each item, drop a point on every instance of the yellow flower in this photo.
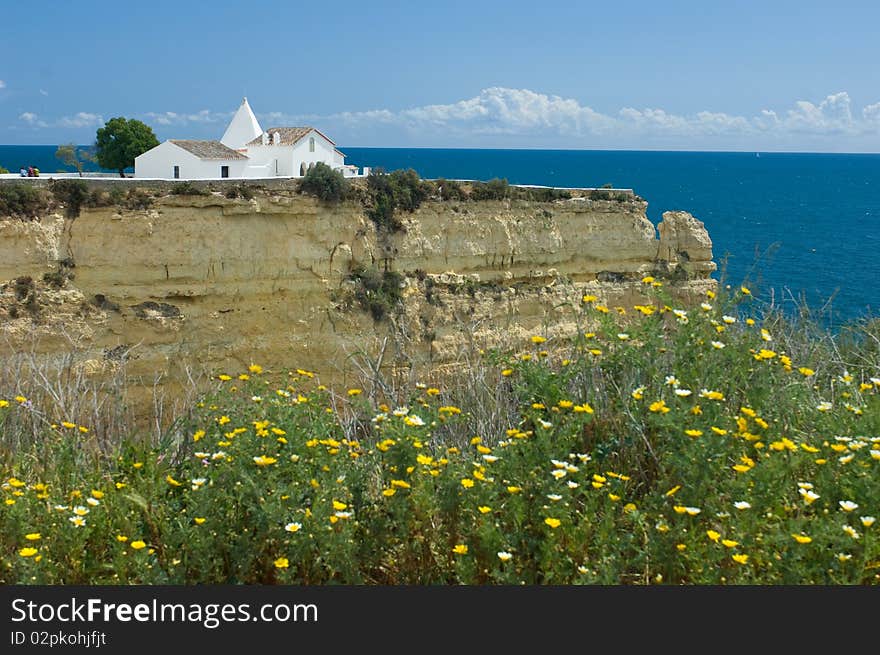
(584, 408)
(589, 298)
(629, 507)
(137, 545)
(507, 372)
(467, 483)
(801, 538)
(262, 460)
(27, 552)
(806, 372)
(255, 368)
(338, 506)
(389, 492)
(674, 490)
(730, 543)
(121, 538)
(713, 535)
(460, 549)
(198, 435)
(694, 433)
(740, 558)
(513, 489)
(282, 563)
(355, 392)
(68, 425)
(224, 377)
(536, 339)
(681, 547)
(553, 523)
(400, 484)
(484, 509)
(199, 520)
(658, 406)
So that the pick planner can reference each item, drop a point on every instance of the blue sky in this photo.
(769, 75)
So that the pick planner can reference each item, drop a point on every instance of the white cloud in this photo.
(833, 114)
(175, 118)
(507, 117)
(43, 92)
(529, 116)
(32, 119)
(496, 110)
(81, 119)
(871, 114)
(2, 84)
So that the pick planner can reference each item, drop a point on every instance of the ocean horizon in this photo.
(800, 228)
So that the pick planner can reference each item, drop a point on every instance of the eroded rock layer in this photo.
(210, 284)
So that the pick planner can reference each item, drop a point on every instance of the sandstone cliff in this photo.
(211, 284)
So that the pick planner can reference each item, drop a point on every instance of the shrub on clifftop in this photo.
(324, 183)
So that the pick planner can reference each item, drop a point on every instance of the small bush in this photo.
(494, 189)
(138, 199)
(450, 190)
(240, 191)
(400, 189)
(540, 194)
(116, 195)
(22, 201)
(187, 189)
(73, 194)
(23, 286)
(324, 183)
(377, 292)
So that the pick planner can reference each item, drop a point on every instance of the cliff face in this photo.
(212, 284)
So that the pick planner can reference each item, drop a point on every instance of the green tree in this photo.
(120, 141)
(72, 156)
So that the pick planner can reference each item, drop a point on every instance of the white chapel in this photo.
(244, 151)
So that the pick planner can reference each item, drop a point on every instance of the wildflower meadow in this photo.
(714, 444)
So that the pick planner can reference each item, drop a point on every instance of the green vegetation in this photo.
(244, 191)
(399, 190)
(324, 183)
(494, 189)
(716, 444)
(73, 194)
(120, 141)
(74, 157)
(187, 189)
(3, 171)
(377, 292)
(22, 201)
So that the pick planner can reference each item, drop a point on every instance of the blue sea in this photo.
(796, 227)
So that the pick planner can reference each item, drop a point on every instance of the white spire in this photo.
(243, 128)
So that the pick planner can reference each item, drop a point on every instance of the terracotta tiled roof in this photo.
(208, 149)
(289, 135)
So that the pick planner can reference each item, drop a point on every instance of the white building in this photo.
(245, 151)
